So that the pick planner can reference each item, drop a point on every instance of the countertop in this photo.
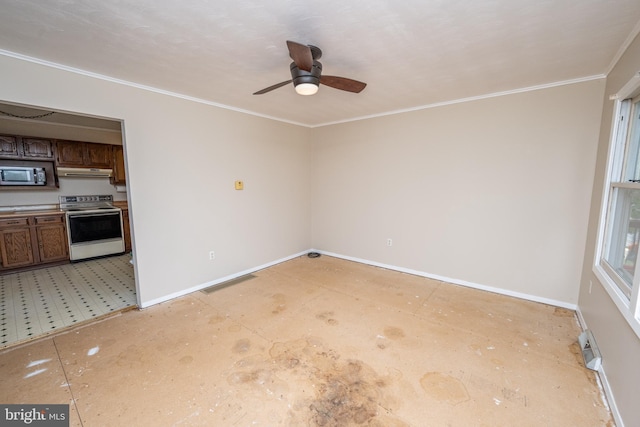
(121, 204)
(30, 212)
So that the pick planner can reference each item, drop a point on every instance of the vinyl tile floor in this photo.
(317, 342)
(37, 302)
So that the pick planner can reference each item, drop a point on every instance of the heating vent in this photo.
(590, 352)
(228, 283)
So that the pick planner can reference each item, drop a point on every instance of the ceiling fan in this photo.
(306, 73)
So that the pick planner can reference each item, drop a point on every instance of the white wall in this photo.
(183, 158)
(616, 340)
(494, 192)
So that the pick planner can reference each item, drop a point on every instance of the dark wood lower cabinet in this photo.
(52, 238)
(15, 247)
(31, 241)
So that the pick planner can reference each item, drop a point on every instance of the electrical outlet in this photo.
(389, 242)
(212, 255)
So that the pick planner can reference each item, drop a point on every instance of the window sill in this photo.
(620, 299)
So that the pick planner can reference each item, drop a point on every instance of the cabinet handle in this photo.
(13, 222)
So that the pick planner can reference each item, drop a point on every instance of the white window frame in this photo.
(628, 303)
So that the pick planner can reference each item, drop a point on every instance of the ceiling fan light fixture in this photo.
(306, 73)
(306, 89)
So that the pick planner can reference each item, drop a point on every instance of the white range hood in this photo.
(84, 173)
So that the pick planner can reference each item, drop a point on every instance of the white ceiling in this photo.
(412, 53)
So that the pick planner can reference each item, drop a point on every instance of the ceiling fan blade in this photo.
(343, 83)
(270, 88)
(301, 55)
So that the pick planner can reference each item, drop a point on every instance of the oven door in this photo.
(94, 233)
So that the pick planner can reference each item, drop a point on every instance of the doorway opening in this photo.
(49, 296)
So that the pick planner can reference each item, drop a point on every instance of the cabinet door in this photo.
(98, 155)
(15, 247)
(119, 176)
(70, 153)
(52, 243)
(37, 148)
(52, 238)
(9, 146)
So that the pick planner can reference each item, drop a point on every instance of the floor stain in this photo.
(393, 333)
(346, 394)
(242, 346)
(186, 360)
(320, 387)
(574, 348)
(563, 312)
(216, 319)
(498, 362)
(444, 387)
(327, 316)
(279, 303)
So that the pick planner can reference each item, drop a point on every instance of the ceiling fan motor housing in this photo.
(301, 76)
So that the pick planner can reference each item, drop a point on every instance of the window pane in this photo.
(624, 235)
(633, 153)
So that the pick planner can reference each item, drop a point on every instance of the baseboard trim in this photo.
(607, 397)
(146, 304)
(500, 291)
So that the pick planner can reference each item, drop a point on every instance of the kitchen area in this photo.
(66, 255)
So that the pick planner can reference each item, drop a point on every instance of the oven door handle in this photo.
(80, 214)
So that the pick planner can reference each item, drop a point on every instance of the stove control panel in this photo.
(85, 199)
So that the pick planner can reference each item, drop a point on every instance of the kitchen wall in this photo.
(68, 187)
(183, 158)
(494, 193)
(616, 340)
(77, 128)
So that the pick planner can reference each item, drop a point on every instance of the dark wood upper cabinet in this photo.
(35, 148)
(84, 154)
(99, 155)
(25, 148)
(119, 176)
(9, 147)
(71, 153)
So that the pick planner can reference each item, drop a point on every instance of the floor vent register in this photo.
(228, 283)
(590, 352)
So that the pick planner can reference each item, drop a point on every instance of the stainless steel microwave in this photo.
(18, 175)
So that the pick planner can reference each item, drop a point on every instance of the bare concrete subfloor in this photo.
(317, 342)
